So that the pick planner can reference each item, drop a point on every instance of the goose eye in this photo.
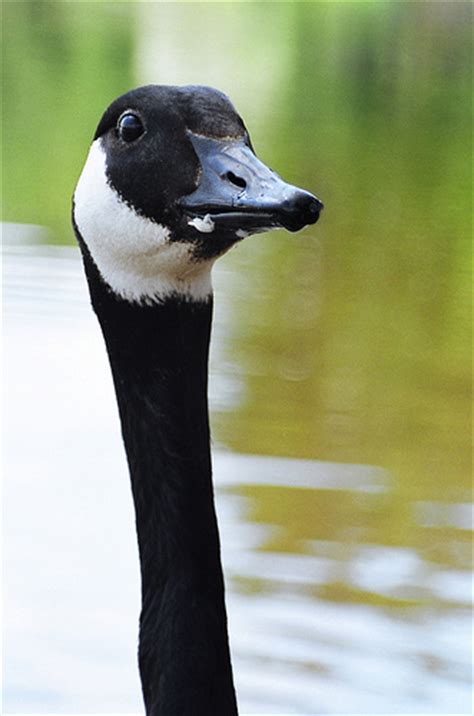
(130, 127)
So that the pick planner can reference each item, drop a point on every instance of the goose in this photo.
(171, 182)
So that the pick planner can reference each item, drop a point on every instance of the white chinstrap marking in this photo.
(133, 254)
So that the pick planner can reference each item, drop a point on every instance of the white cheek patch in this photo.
(133, 254)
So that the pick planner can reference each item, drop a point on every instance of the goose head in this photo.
(170, 183)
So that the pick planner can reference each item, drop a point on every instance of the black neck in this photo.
(159, 360)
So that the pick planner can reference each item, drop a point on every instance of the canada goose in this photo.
(171, 182)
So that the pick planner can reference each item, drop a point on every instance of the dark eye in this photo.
(130, 127)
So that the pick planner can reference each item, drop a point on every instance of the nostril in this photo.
(237, 181)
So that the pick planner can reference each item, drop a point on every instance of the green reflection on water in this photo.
(353, 339)
(62, 63)
(357, 344)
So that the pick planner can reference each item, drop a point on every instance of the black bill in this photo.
(237, 192)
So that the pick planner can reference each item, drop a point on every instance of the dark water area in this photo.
(346, 348)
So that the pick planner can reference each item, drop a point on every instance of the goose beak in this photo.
(239, 193)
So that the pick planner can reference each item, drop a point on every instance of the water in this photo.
(346, 348)
(347, 592)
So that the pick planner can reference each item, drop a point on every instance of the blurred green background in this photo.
(356, 346)
(368, 105)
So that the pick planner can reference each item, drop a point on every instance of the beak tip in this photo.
(314, 210)
(304, 210)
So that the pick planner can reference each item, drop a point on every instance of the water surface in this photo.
(341, 360)
(327, 606)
